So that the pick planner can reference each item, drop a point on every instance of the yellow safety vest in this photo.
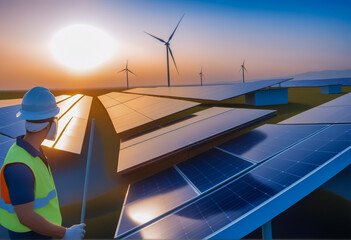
(45, 196)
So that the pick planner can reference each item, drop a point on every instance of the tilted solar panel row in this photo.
(210, 92)
(205, 172)
(129, 111)
(337, 111)
(242, 205)
(203, 126)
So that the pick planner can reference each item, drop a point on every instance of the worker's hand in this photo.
(75, 232)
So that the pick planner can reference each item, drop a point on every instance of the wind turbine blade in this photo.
(175, 29)
(131, 72)
(240, 69)
(170, 51)
(127, 65)
(245, 69)
(121, 71)
(156, 37)
(244, 62)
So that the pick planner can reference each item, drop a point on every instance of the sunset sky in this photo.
(277, 38)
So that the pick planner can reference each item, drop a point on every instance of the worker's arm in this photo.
(37, 223)
(20, 182)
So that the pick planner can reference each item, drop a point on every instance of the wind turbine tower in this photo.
(201, 76)
(127, 71)
(243, 69)
(168, 50)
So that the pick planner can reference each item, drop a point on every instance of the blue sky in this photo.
(276, 38)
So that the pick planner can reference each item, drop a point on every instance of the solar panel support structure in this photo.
(266, 97)
(267, 231)
(87, 171)
(331, 89)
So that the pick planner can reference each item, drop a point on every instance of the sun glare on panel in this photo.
(81, 48)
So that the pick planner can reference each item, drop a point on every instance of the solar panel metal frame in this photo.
(317, 82)
(258, 215)
(210, 92)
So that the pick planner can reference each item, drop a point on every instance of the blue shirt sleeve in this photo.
(20, 182)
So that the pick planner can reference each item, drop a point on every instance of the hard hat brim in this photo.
(25, 115)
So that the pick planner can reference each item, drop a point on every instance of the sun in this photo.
(81, 48)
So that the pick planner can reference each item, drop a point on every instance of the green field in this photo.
(103, 211)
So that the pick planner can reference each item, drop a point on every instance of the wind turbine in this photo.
(168, 49)
(243, 69)
(127, 71)
(201, 75)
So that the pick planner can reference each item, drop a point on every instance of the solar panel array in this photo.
(177, 137)
(317, 82)
(213, 92)
(72, 122)
(243, 203)
(336, 111)
(128, 111)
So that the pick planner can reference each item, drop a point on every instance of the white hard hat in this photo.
(38, 104)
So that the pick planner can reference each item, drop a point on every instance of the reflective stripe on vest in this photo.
(38, 203)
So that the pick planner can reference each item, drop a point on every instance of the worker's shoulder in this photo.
(16, 153)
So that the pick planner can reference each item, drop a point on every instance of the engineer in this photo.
(29, 206)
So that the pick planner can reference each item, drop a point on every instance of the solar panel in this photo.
(248, 202)
(8, 115)
(322, 115)
(145, 149)
(67, 104)
(128, 111)
(72, 138)
(213, 92)
(122, 97)
(14, 130)
(212, 168)
(156, 108)
(61, 98)
(344, 100)
(317, 82)
(152, 197)
(196, 117)
(75, 123)
(107, 101)
(332, 112)
(5, 144)
(267, 140)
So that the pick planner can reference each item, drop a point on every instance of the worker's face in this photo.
(52, 129)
